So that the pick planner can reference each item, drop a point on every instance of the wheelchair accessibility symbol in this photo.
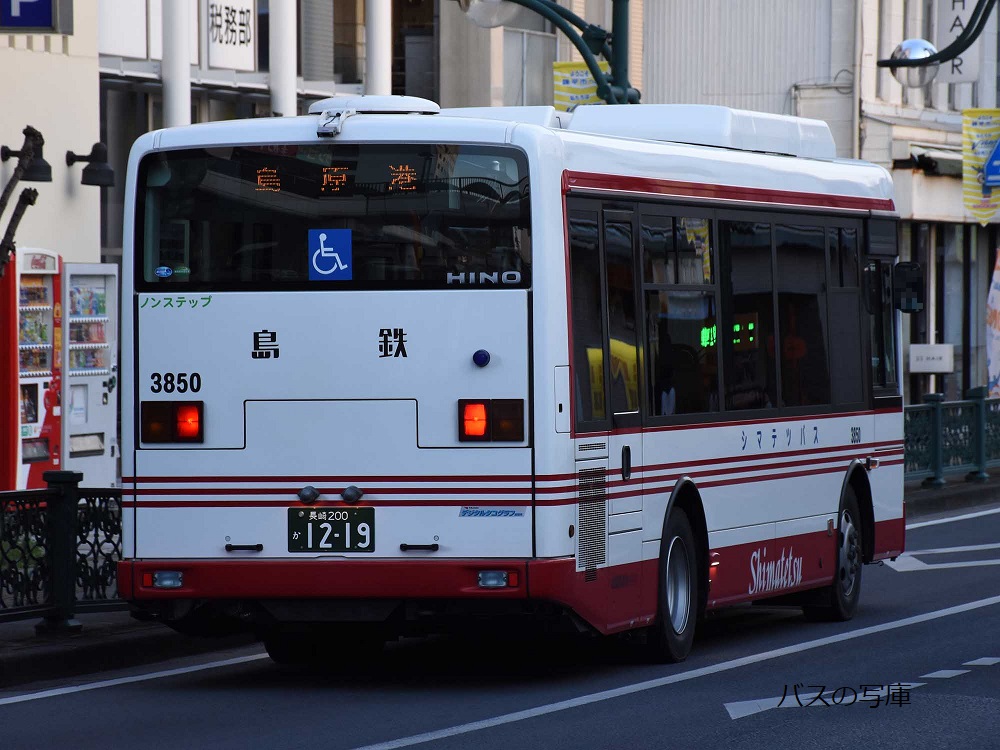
(330, 254)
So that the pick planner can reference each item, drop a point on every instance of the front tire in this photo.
(671, 636)
(844, 593)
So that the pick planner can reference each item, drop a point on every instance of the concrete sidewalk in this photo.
(113, 640)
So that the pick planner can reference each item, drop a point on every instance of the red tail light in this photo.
(474, 417)
(491, 420)
(189, 422)
(172, 422)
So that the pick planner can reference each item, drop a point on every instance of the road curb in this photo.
(955, 495)
(98, 648)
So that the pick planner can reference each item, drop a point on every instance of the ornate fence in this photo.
(952, 437)
(58, 551)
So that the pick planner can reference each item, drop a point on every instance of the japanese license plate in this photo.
(336, 530)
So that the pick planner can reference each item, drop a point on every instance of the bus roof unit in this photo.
(709, 125)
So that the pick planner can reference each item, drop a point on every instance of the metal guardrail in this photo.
(952, 437)
(59, 549)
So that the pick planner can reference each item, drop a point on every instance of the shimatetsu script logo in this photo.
(771, 575)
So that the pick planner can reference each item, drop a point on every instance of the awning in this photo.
(937, 160)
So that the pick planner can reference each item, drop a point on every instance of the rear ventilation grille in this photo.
(593, 537)
(593, 447)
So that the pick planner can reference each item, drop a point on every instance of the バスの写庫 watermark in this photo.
(897, 693)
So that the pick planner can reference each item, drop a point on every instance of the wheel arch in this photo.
(687, 497)
(856, 478)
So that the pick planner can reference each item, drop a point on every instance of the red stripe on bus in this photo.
(590, 181)
(681, 467)
(518, 502)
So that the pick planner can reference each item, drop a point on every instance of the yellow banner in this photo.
(980, 133)
(572, 84)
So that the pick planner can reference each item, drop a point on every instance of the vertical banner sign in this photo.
(980, 164)
(993, 333)
(572, 84)
(232, 34)
(952, 18)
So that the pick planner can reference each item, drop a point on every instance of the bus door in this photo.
(886, 395)
(607, 385)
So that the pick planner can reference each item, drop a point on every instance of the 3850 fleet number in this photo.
(175, 382)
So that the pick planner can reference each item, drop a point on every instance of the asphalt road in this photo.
(918, 667)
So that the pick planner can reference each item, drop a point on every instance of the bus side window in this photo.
(587, 316)
(748, 316)
(681, 332)
(802, 307)
(846, 374)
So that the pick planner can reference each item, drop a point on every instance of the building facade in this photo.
(50, 81)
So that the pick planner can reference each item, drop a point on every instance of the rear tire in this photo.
(844, 593)
(671, 636)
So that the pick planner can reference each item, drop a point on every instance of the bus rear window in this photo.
(338, 216)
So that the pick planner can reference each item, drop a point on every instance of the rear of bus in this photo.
(325, 370)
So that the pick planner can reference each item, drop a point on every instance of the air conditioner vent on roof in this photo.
(709, 125)
(375, 105)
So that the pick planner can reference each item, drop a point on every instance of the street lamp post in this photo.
(590, 40)
(9, 395)
(915, 61)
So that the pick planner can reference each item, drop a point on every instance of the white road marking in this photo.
(949, 550)
(908, 564)
(128, 680)
(605, 695)
(944, 674)
(739, 709)
(952, 519)
(986, 661)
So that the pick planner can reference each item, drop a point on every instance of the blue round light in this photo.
(481, 358)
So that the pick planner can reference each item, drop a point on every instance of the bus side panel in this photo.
(887, 485)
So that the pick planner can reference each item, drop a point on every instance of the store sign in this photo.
(573, 84)
(36, 15)
(939, 358)
(232, 34)
(953, 17)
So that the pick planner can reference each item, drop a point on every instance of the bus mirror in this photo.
(908, 287)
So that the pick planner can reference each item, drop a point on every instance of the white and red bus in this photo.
(387, 368)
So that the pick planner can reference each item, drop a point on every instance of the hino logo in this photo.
(485, 277)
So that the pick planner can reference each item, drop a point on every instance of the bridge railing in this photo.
(59, 548)
(952, 437)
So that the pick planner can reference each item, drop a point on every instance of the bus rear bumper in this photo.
(378, 590)
(321, 579)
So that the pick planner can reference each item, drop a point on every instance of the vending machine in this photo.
(90, 372)
(68, 360)
(40, 354)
